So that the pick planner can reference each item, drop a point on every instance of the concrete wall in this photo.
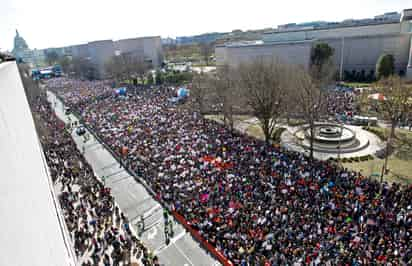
(148, 48)
(100, 53)
(291, 53)
(409, 69)
(80, 51)
(362, 53)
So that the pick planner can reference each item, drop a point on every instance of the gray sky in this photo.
(54, 23)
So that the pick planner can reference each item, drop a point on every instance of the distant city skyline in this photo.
(47, 23)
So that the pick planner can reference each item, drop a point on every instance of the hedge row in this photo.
(381, 135)
(354, 159)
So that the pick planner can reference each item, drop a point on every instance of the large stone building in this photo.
(148, 48)
(98, 53)
(357, 43)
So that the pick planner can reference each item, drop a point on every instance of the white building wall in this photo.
(291, 53)
(148, 48)
(33, 231)
(409, 69)
(362, 53)
(100, 53)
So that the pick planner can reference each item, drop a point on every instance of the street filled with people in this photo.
(258, 204)
(100, 232)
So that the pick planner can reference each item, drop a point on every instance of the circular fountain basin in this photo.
(331, 138)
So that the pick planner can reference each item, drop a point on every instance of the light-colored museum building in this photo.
(357, 43)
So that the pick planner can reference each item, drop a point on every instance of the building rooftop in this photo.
(390, 17)
(261, 43)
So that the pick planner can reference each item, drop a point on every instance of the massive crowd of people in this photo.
(256, 203)
(341, 103)
(100, 232)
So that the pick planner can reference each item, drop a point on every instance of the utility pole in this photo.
(339, 143)
(341, 59)
(385, 164)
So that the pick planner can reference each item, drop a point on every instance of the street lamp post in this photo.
(339, 143)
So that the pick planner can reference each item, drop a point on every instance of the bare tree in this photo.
(115, 68)
(310, 100)
(126, 66)
(51, 57)
(83, 68)
(263, 84)
(227, 94)
(65, 63)
(200, 92)
(394, 107)
(31, 87)
(310, 88)
(206, 50)
(140, 68)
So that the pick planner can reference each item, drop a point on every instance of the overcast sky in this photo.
(54, 23)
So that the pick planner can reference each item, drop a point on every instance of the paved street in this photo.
(135, 201)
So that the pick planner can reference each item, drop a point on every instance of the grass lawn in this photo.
(399, 163)
(255, 131)
(358, 84)
(400, 171)
(238, 118)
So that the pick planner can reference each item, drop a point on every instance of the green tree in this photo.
(206, 51)
(321, 65)
(321, 54)
(385, 66)
(159, 78)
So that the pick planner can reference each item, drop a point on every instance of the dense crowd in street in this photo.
(341, 103)
(100, 232)
(256, 203)
(85, 89)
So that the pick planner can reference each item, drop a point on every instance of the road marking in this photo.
(120, 179)
(153, 233)
(179, 236)
(115, 173)
(184, 255)
(109, 165)
(172, 242)
(154, 224)
(152, 210)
